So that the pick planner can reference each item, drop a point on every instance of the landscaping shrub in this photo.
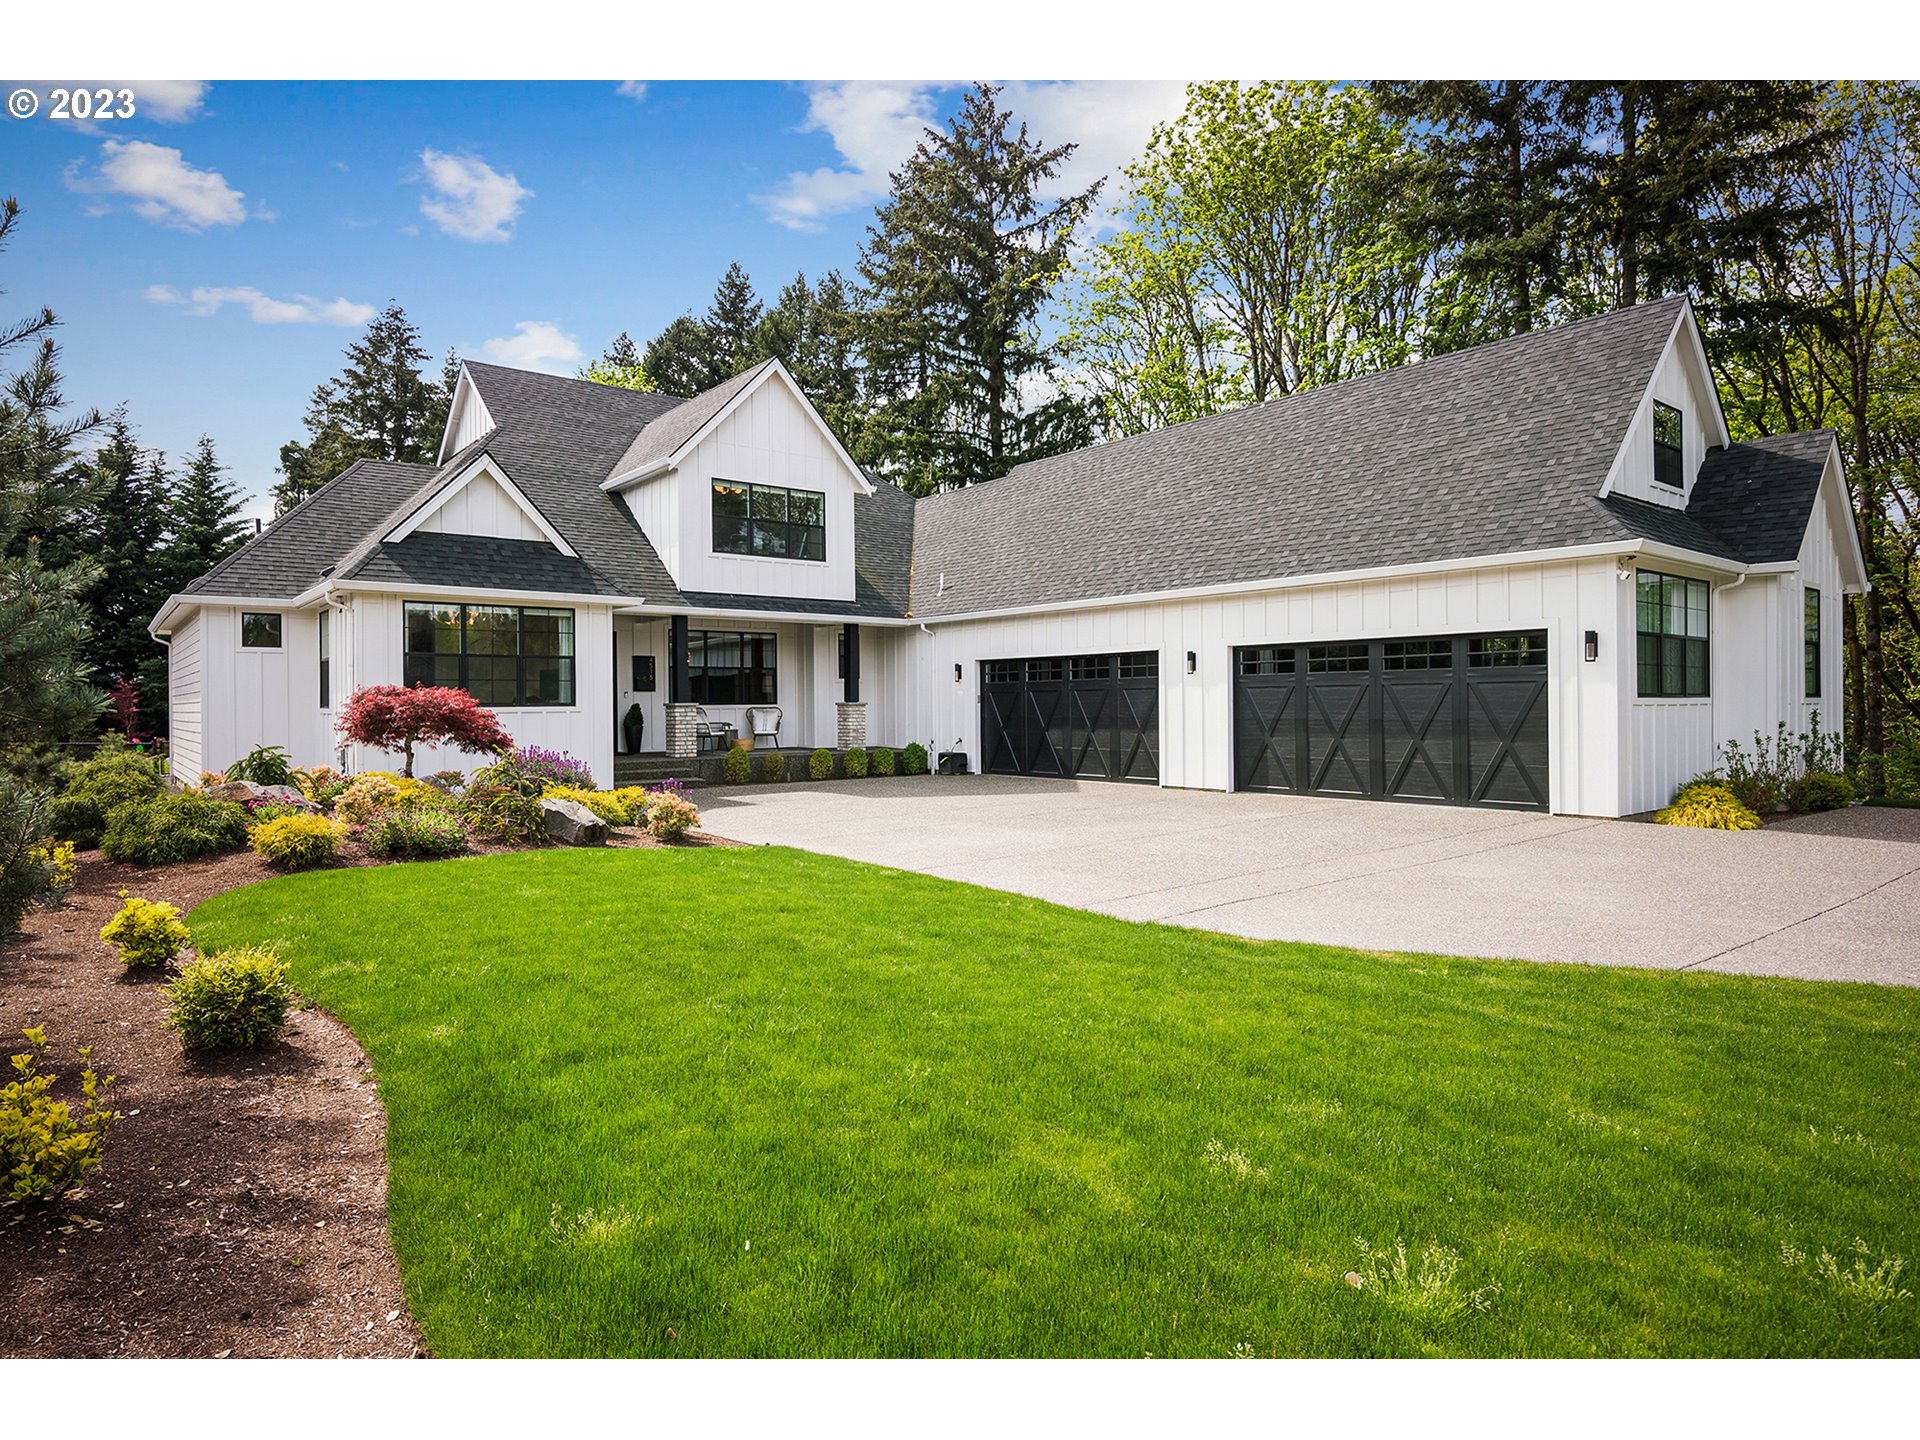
(502, 813)
(264, 765)
(147, 933)
(61, 866)
(174, 828)
(1708, 805)
(1773, 774)
(448, 780)
(44, 1148)
(604, 803)
(26, 863)
(235, 1000)
(95, 788)
(550, 767)
(880, 760)
(671, 816)
(635, 799)
(1828, 792)
(737, 766)
(263, 808)
(418, 833)
(298, 841)
(508, 773)
(374, 793)
(774, 768)
(820, 765)
(913, 759)
(399, 717)
(855, 763)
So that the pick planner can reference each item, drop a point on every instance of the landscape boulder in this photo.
(571, 823)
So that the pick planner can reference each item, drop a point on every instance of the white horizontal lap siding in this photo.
(1819, 567)
(257, 697)
(772, 440)
(483, 507)
(583, 729)
(1196, 711)
(186, 681)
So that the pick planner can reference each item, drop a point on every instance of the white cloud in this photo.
(468, 198)
(262, 308)
(163, 187)
(632, 89)
(536, 345)
(875, 126)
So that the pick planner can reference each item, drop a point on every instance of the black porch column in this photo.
(851, 692)
(679, 683)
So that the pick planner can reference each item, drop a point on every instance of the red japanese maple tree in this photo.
(398, 717)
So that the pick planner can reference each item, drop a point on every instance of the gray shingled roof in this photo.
(1493, 450)
(1758, 496)
(672, 430)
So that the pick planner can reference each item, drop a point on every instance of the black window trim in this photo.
(326, 658)
(279, 619)
(1705, 642)
(699, 677)
(1677, 479)
(788, 526)
(520, 654)
(1810, 623)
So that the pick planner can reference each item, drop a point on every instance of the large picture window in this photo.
(499, 654)
(1812, 642)
(1668, 433)
(732, 667)
(1671, 619)
(769, 520)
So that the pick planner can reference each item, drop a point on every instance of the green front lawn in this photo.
(760, 1102)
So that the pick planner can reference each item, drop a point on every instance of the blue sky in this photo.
(211, 257)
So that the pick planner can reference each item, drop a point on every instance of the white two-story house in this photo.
(1536, 574)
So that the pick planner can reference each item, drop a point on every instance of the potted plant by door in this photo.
(635, 724)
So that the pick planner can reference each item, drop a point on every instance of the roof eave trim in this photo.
(649, 471)
(798, 617)
(483, 463)
(407, 589)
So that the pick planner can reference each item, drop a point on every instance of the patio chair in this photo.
(709, 734)
(764, 720)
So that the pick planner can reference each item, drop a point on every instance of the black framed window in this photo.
(732, 667)
(1336, 659)
(499, 654)
(1671, 618)
(1140, 665)
(769, 520)
(1044, 670)
(259, 630)
(1812, 642)
(1484, 651)
(1266, 660)
(1092, 667)
(1003, 672)
(326, 693)
(1417, 655)
(1668, 467)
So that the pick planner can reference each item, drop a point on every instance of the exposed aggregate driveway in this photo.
(1826, 897)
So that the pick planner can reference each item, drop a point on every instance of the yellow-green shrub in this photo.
(1703, 805)
(606, 804)
(58, 855)
(237, 999)
(44, 1149)
(298, 841)
(634, 797)
(146, 932)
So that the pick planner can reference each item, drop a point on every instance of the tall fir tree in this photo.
(206, 521)
(957, 267)
(124, 531)
(621, 354)
(680, 358)
(730, 323)
(379, 407)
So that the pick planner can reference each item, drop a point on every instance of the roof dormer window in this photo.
(769, 520)
(1668, 468)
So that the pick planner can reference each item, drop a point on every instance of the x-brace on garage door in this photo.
(1094, 717)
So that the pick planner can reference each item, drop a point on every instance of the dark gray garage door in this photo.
(1453, 720)
(1094, 717)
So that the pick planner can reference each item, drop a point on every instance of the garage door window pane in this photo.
(1336, 659)
(1417, 655)
(1267, 660)
(1140, 665)
(1485, 650)
(1043, 670)
(1003, 672)
(1093, 667)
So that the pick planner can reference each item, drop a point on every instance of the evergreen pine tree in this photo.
(379, 407)
(124, 531)
(730, 324)
(621, 354)
(957, 267)
(680, 358)
(207, 523)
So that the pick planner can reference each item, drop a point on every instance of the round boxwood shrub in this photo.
(774, 768)
(737, 766)
(235, 1000)
(172, 828)
(855, 763)
(423, 834)
(880, 760)
(298, 841)
(1829, 792)
(820, 765)
(913, 759)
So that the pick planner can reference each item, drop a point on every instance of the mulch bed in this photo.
(240, 1206)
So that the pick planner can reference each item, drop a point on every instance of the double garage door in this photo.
(1450, 720)
(1092, 717)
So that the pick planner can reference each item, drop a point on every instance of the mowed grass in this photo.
(761, 1102)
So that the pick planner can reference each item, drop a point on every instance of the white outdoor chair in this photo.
(709, 734)
(764, 720)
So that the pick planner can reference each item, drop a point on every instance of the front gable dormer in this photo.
(480, 499)
(749, 493)
(1677, 421)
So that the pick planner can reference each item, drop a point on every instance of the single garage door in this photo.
(1450, 720)
(1093, 717)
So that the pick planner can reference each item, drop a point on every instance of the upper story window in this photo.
(499, 654)
(1668, 433)
(1671, 617)
(259, 631)
(769, 520)
(1812, 643)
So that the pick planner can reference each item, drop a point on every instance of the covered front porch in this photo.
(687, 683)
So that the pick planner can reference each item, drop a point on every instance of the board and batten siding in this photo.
(1676, 382)
(482, 507)
(919, 699)
(805, 683)
(186, 682)
(583, 729)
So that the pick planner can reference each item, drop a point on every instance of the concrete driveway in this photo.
(1830, 897)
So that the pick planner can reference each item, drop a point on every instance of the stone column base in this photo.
(682, 739)
(851, 724)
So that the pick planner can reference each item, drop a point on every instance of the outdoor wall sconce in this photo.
(1593, 644)
(1193, 662)
(956, 672)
